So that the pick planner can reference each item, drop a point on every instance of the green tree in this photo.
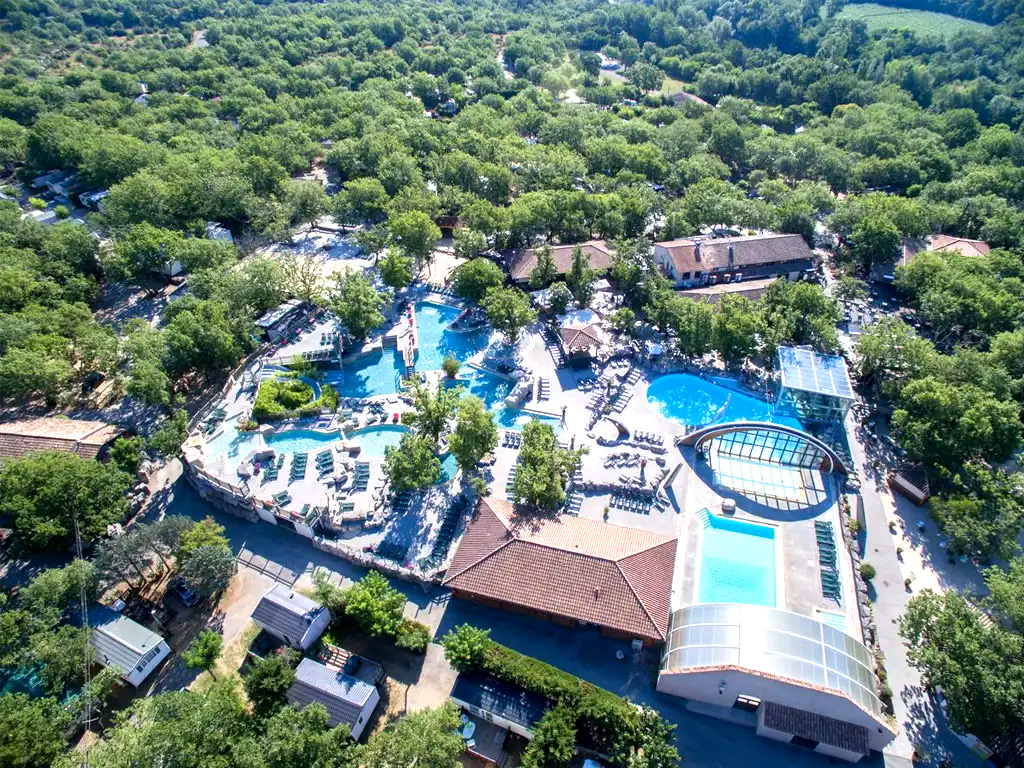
(554, 740)
(450, 366)
(208, 569)
(362, 199)
(472, 280)
(375, 605)
(427, 738)
(466, 646)
(126, 453)
(432, 410)
(475, 433)
(167, 440)
(509, 311)
(644, 76)
(267, 681)
(357, 303)
(979, 667)
(875, 240)
(44, 493)
(735, 329)
(889, 353)
(200, 336)
(559, 298)
(303, 738)
(305, 201)
(624, 320)
(692, 323)
(395, 269)
(544, 467)
(416, 233)
(206, 533)
(413, 465)
(544, 271)
(943, 425)
(33, 732)
(849, 288)
(203, 652)
(581, 277)
(468, 243)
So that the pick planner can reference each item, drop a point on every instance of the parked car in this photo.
(180, 591)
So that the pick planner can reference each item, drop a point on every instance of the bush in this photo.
(607, 723)
(854, 526)
(867, 571)
(286, 397)
(450, 366)
(554, 740)
(62, 211)
(413, 636)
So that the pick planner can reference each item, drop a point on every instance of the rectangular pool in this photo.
(737, 562)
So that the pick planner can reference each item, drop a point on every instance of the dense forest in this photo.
(758, 115)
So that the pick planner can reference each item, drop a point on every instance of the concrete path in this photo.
(920, 721)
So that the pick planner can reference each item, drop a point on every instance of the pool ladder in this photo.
(705, 518)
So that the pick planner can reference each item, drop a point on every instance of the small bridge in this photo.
(832, 461)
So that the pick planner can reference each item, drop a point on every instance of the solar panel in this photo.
(812, 371)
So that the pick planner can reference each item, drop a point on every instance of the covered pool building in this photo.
(814, 386)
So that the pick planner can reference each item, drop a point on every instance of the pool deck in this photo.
(693, 487)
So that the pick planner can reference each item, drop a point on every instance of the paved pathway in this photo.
(919, 720)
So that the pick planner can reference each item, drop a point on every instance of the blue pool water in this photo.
(375, 439)
(693, 401)
(449, 466)
(368, 376)
(515, 419)
(489, 387)
(435, 342)
(737, 562)
(237, 444)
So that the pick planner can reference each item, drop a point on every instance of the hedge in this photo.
(605, 722)
(286, 397)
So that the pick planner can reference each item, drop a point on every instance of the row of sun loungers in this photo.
(329, 337)
(392, 550)
(831, 586)
(554, 350)
(649, 438)
(543, 389)
(446, 532)
(585, 385)
(325, 462)
(298, 469)
(573, 503)
(282, 499)
(512, 440)
(633, 377)
(622, 460)
(621, 400)
(441, 289)
(317, 354)
(511, 480)
(361, 477)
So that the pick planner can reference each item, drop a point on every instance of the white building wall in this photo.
(662, 259)
(721, 688)
(315, 629)
(490, 717)
(365, 714)
(136, 676)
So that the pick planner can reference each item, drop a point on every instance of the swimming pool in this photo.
(489, 387)
(449, 466)
(693, 401)
(374, 440)
(371, 375)
(234, 443)
(435, 342)
(737, 562)
(515, 419)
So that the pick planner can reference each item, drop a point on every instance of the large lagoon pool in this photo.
(375, 440)
(693, 401)
(435, 341)
(489, 387)
(377, 373)
(737, 562)
(236, 444)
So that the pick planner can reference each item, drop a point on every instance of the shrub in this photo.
(554, 740)
(450, 366)
(608, 723)
(413, 636)
(867, 571)
(854, 525)
(62, 211)
(38, 203)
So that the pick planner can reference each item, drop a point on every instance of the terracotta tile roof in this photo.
(748, 250)
(599, 251)
(79, 436)
(712, 294)
(962, 245)
(816, 727)
(609, 575)
(576, 339)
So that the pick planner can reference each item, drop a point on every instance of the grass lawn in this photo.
(668, 87)
(882, 17)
